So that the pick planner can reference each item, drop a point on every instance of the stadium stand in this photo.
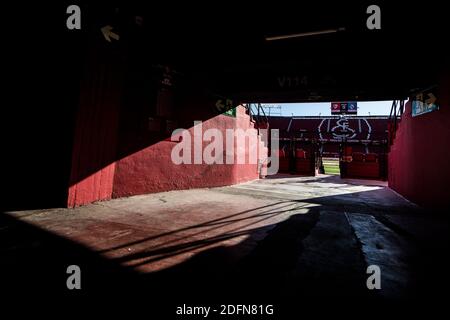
(305, 140)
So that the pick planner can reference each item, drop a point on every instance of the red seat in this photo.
(348, 151)
(284, 160)
(300, 153)
(360, 169)
(371, 157)
(358, 156)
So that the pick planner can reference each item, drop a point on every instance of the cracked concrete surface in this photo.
(298, 236)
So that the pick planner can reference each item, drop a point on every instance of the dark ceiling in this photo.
(223, 45)
(226, 45)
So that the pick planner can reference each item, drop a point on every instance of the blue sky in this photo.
(373, 108)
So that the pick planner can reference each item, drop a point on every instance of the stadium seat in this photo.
(371, 157)
(358, 156)
(300, 153)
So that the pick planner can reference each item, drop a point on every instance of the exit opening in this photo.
(348, 139)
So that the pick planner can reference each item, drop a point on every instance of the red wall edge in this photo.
(152, 170)
(420, 155)
(95, 136)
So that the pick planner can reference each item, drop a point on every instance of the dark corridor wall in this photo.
(95, 137)
(128, 108)
(41, 70)
(419, 160)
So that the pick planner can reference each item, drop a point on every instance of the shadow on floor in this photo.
(325, 178)
(286, 268)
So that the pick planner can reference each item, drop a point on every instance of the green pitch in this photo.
(331, 166)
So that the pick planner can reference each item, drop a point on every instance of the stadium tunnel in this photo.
(100, 127)
(112, 98)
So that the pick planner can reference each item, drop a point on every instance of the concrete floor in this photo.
(277, 239)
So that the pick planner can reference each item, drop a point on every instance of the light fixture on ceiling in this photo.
(304, 34)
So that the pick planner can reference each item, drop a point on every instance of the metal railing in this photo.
(397, 109)
(257, 113)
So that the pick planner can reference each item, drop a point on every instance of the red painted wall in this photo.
(420, 156)
(152, 170)
(117, 151)
(95, 134)
(116, 155)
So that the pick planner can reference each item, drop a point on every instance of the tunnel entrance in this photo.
(355, 189)
(315, 139)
